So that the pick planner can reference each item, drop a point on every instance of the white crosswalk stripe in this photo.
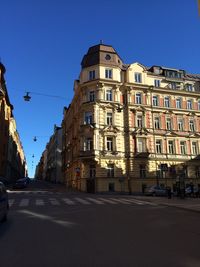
(95, 200)
(107, 201)
(68, 201)
(54, 201)
(24, 202)
(120, 201)
(82, 201)
(39, 202)
(135, 201)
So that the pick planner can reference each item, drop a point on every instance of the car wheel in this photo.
(154, 194)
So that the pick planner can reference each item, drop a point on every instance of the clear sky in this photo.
(42, 43)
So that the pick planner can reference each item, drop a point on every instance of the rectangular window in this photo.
(139, 121)
(109, 118)
(194, 148)
(110, 170)
(189, 104)
(173, 85)
(142, 171)
(199, 105)
(141, 145)
(88, 144)
(88, 117)
(157, 83)
(109, 95)
(167, 102)
(168, 124)
(183, 147)
(189, 87)
(158, 146)
(92, 171)
(171, 147)
(191, 125)
(178, 103)
(155, 100)
(180, 124)
(138, 98)
(91, 74)
(157, 123)
(138, 77)
(109, 144)
(108, 73)
(91, 96)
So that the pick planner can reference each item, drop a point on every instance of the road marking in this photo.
(120, 201)
(82, 201)
(24, 202)
(11, 202)
(95, 200)
(39, 202)
(107, 201)
(68, 201)
(54, 201)
(133, 201)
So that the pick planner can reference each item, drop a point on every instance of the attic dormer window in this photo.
(107, 57)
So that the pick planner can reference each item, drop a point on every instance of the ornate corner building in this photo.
(130, 126)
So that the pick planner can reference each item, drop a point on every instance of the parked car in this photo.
(188, 191)
(4, 180)
(4, 206)
(156, 190)
(21, 183)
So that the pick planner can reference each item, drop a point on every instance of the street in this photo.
(48, 227)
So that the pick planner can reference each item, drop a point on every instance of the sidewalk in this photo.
(191, 204)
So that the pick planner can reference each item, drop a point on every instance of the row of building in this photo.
(128, 126)
(12, 159)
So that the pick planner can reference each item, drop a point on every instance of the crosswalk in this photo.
(25, 202)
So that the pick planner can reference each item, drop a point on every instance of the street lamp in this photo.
(27, 96)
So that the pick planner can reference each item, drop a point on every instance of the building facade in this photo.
(12, 159)
(130, 126)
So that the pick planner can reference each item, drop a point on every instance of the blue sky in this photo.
(43, 41)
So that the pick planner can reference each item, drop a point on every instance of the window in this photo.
(183, 147)
(171, 147)
(91, 74)
(138, 98)
(173, 85)
(157, 83)
(191, 125)
(158, 146)
(167, 102)
(109, 118)
(142, 171)
(155, 100)
(138, 77)
(88, 117)
(110, 143)
(198, 105)
(88, 144)
(110, 170)
(178, 103)
(180, 124)
(108, 73)
(91, 96)
(168, 124)
(173, 74)
(157, 123)
(109, 95)
(139, 121)
(194, 148)
(189, 87)
(189, 104)
(141, 145)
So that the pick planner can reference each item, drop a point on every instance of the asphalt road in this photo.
(50, 228)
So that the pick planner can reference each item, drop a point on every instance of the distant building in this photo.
(130, 126)
(12, 159)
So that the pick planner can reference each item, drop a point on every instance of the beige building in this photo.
(130, 126)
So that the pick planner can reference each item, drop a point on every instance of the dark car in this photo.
(156, 190)
(192, 191)
(21, 183)
(4, 206)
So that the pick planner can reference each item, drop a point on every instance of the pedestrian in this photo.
(169, 192)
